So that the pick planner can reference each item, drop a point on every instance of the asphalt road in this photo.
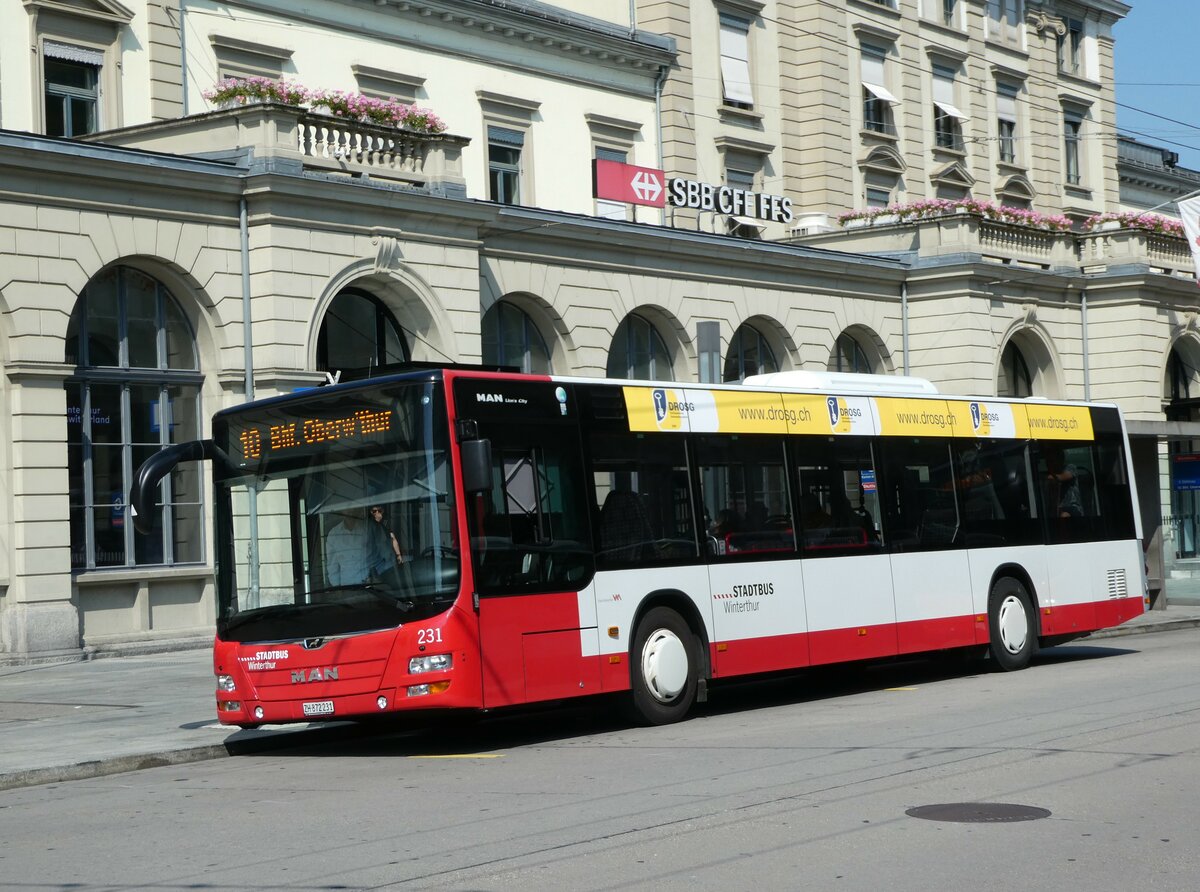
(796, 783)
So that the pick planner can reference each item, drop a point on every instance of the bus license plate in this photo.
(319, 707)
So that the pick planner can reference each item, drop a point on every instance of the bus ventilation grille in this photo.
(1116, 584)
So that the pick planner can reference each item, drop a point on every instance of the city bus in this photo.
(455, 539)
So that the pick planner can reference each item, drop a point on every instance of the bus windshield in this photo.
(334, 514)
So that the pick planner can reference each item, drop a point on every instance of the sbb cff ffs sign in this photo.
(614, 181)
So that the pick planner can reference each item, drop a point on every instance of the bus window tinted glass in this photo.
(1084, 491)
(643, 500)
(839, 498)
(530, 531)
(922, 511)
(999, 504)
(744, 489)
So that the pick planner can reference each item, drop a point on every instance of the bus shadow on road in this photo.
(472, 735)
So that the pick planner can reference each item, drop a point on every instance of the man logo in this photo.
(489, 397)
(299, 676)
(660, 405)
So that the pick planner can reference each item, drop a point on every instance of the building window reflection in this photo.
(136, 389)
(510, 338)
(638, 352)
(359, 335)
(749, 354)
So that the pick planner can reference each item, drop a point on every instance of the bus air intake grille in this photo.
(1116, 584)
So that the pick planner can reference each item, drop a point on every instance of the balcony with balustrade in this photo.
(964, 237)
(271, 136)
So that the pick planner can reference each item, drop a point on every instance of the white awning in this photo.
(881, 93)
(735, 222)
(69, 53)
(948, 109)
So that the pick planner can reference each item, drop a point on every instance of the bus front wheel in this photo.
(1011, 625)
(664, 667)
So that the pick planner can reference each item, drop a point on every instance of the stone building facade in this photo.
(155, 272)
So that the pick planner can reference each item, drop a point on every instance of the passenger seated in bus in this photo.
(1064, 484)
(348, 550)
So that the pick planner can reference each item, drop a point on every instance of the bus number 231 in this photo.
(429, 636)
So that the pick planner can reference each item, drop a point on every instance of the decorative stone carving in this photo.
(1043, 21)
(387, 253)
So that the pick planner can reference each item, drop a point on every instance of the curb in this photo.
(1166, 625)
(268, 742)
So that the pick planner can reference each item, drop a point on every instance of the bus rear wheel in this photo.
(1012, 629)
(664, 667)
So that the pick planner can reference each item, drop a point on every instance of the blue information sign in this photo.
(1185, 472)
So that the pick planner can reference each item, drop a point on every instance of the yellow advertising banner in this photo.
(684, 409)
(1050, 422)
(914, 418)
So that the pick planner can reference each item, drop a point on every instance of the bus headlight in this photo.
(433, 663)
(226, 683)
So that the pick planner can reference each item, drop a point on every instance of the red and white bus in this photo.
(455, 539)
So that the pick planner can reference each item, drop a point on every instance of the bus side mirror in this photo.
(143, 497)
(476, 458)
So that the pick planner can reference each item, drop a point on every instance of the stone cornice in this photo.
(99, 10)
(521, 23)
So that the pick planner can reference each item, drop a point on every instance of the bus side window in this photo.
(529, 532)
(838, 511)
(998, 502)
(745, 494)
(923, 511)
(643, 500)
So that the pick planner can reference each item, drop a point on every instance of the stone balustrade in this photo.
(281, 136)
(1161, 253)
(964, 234)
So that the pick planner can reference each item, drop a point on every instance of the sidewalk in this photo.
(67, 721)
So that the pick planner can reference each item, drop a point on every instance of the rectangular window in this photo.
(996, 485)
(744, 489)
(1004, 20)
(947, 119)
(1070, 48)
(1006, 121)
(1084, 490)
(504, 164)
(740, 179)
(644, 500)
(611, 210)
(532, 534)
(877, 99)
(72, 89)
(839, 499)
(923, 513)
(948, 12)
(1072, 128)
(878, 198)
(735, 61)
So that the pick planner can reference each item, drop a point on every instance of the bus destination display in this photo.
(286, 435)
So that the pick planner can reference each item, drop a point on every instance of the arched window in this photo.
(358, 335)
(511, 339)
(1014, 379)
(1181, 405)
(849, 356)
(136, 389)
(749, 354)
(638, 352)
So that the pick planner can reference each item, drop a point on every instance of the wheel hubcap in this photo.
(664, 665)
(1013, 624)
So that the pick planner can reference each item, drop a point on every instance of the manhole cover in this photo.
(978, 812)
